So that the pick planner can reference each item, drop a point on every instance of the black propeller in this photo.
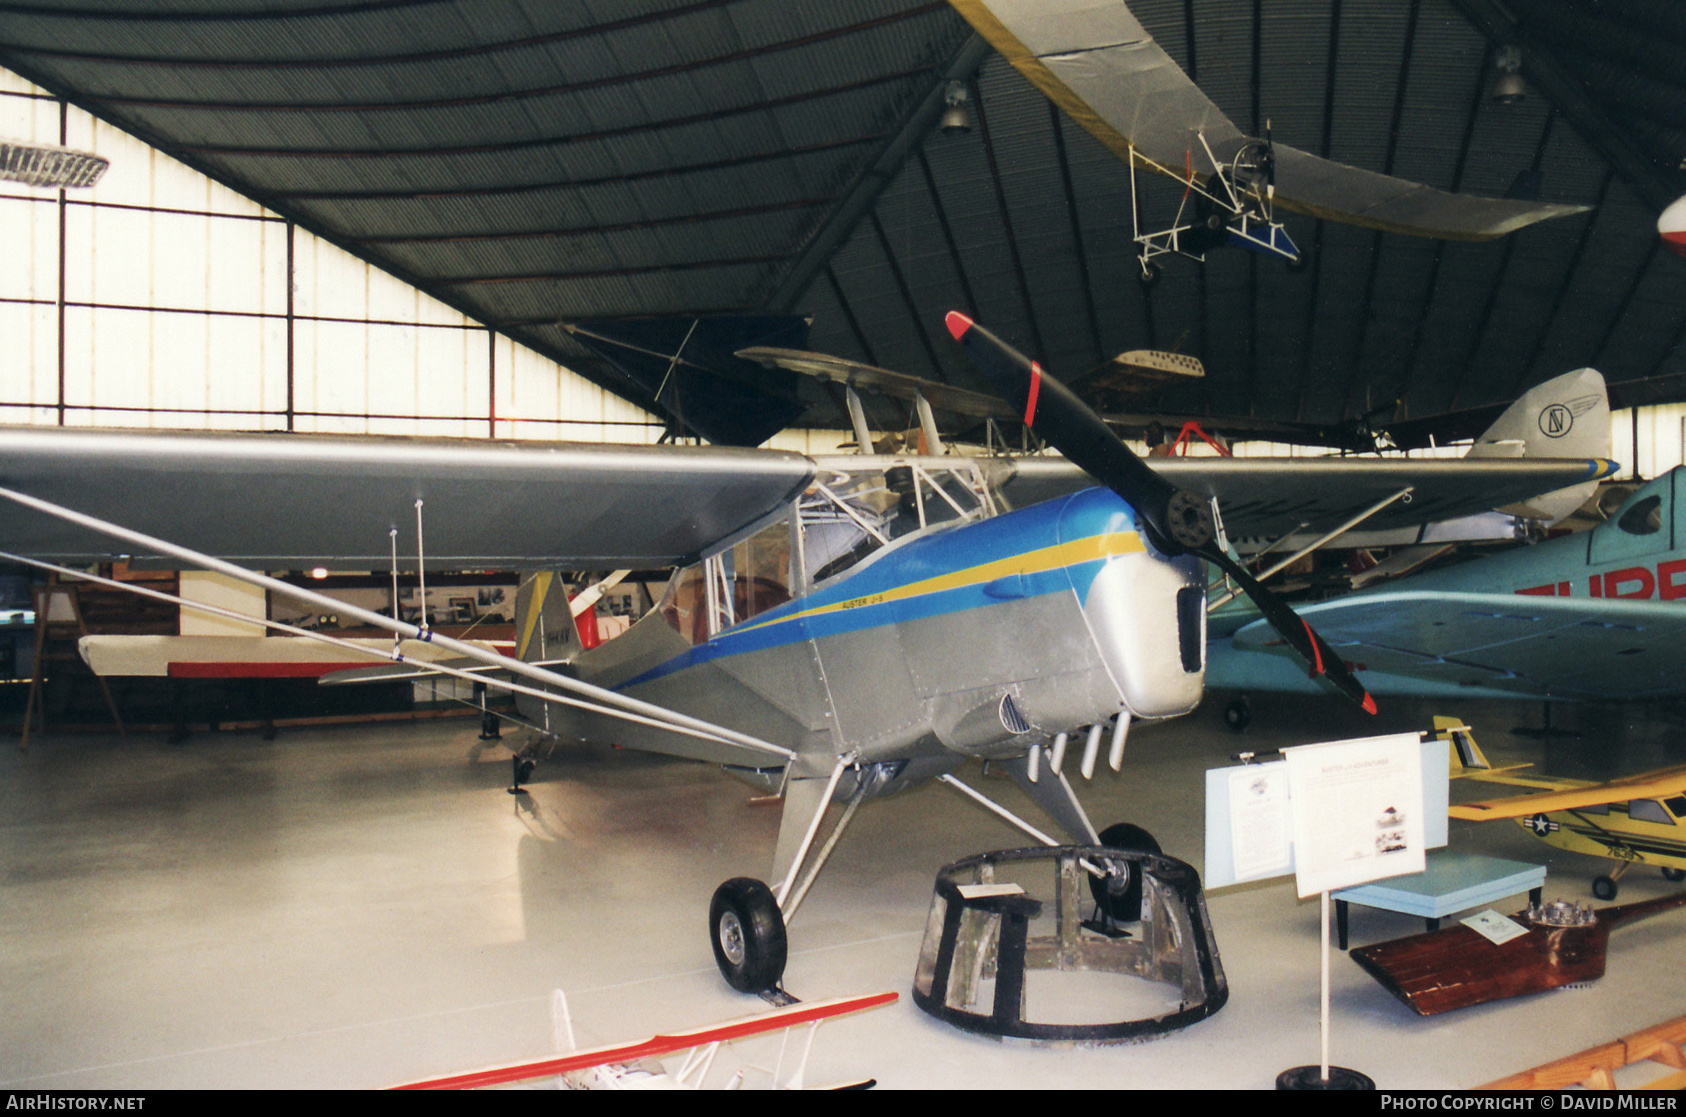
(1177, 521)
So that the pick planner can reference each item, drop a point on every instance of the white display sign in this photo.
(1260, 824)
(1357, 810)
(1493, 927)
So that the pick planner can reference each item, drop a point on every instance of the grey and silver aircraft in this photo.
(836, 629)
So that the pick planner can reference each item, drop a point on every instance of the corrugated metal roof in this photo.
(532, 163)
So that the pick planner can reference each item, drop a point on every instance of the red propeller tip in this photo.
(1369, 704)
(958, 324)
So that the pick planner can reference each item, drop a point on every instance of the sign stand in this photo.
(1335, 815)
(1324, 1076)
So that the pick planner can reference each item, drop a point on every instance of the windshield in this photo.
(854, 510)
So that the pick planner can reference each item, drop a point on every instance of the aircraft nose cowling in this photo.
(1148, 617)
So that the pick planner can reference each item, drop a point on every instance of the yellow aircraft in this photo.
(1638, 820)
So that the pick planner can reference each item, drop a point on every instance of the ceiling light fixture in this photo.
(1508, 89)
(955, 118)
(46, 165)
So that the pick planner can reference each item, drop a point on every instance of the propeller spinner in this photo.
(1177, 521)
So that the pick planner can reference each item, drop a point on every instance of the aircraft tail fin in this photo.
(1466, 756)
(1467, 761)
(544, 624)
(1568, 416)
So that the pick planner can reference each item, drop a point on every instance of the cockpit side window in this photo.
(1643, 526)
(1643, 517)
(848, 515)
(1648, 810)
(740, 583)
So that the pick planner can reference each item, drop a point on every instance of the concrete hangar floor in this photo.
(363, 906)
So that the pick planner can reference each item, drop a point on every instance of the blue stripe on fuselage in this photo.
(958, 560)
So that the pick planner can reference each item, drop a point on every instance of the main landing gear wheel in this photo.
(1238, 715)
(1674, 875)
(1119, 895)
(1604, 888)
(748, 935)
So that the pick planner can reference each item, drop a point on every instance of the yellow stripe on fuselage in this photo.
(1077, 551)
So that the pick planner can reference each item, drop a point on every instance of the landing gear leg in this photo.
(748, 935)
(1118, 895)
(1605, 887)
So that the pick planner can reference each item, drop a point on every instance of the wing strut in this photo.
(657, 715)
(1403, 494)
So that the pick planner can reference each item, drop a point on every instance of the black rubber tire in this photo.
(1238, 715)
(1120, 899)
(1674, 875)
(1604, 888)
(747, 932)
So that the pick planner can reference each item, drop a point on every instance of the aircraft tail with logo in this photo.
(1568, 416)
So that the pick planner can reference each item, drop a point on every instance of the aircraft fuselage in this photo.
(974, 638)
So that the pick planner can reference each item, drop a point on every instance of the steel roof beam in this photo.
(863, 193)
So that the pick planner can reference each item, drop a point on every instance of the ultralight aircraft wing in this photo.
(1095, 61)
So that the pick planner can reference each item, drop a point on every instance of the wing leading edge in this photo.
(1269, 497)
(290, 500)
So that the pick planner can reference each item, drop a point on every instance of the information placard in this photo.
(1357, 811)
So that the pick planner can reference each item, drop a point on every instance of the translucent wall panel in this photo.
(1661, 434)
(29, 364)
(173, 370)
(147, 258)
(180, 311)
(538, 399)
(29, 247)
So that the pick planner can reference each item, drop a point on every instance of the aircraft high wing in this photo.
(290, 500)
(1095, 61)
(1596, 615)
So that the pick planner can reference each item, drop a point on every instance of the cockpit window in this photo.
(848, 514)
(1648, 810)
(1643, 518)
(733, 586)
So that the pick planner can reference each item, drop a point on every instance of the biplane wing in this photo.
(1573, 795)
(1095, 61)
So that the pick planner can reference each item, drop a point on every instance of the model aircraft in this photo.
(838, 628)
(1095, 61)
(1637, 820)
(1594, 615)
